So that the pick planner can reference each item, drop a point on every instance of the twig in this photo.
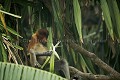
(17, 16)
(90, 76)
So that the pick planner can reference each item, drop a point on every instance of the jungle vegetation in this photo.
(88, 31)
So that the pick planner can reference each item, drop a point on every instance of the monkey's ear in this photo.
(32, 42)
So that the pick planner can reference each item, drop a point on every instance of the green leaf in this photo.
(15, 71)
(7, 5)
(10, 71)
(2, 70)
(13, 31)
(50, 40)
(18, 47)
(83, 63)
(58, 18)
(77, 17)
(3, 52)
(106, 14)
(52, 63)
(73, 56)
(7, 71)
(116, 14)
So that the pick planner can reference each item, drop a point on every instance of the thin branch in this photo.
(90, 76)
(17, 16)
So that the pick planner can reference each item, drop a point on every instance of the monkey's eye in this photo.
(44, 34)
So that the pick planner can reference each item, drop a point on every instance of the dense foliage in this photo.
(92, 24)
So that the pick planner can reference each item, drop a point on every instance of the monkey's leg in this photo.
(63, 66)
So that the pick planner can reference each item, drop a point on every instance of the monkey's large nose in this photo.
(44, 40)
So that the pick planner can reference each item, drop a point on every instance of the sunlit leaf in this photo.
(52, 63)
(25, 73)
(106, 14)
(116, 14)
(10, 14)
(50, 41)
(3, 21)
(77, 17)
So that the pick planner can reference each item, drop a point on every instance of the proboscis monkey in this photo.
(38, 45)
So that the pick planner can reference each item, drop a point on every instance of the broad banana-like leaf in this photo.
(9, 71)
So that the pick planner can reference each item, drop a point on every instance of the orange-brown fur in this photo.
(39, 37)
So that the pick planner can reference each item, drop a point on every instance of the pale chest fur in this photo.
(39, 48)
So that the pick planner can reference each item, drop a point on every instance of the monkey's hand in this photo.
(37, 64)
(33, 60)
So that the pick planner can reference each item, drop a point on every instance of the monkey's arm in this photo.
(47, 53)
(32, 42)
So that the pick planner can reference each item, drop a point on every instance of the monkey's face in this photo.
(42, 36)
(43, 41)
